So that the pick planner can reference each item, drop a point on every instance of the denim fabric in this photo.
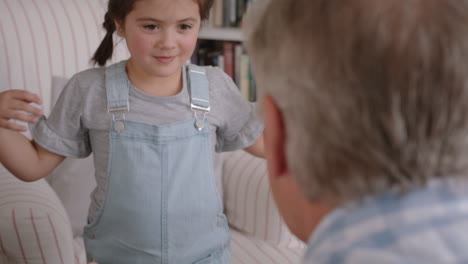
(162, 204)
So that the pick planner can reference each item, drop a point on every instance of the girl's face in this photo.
(161, 36)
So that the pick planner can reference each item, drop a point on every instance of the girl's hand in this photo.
(14, 101)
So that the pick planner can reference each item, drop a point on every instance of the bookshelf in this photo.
(220, 44)
(221, 34)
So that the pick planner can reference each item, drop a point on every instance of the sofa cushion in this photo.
(34, 227)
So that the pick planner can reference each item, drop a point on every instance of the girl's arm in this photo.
(257, 148)
(23, 158)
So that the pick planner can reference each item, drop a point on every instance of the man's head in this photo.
(362, 95)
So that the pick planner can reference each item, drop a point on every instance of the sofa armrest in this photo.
(34, 227)
(251, 250)
(248, 202)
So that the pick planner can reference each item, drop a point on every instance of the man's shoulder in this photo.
(383, 227)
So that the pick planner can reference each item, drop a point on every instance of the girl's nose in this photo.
(168, 40)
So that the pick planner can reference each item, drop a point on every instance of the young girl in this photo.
(153, 124)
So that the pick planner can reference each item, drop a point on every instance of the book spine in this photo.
(253, 87)
(240, 11)
(221, 61)
(226, 12)
(228, 54)
(238, 51)
(218, 13)
(232, 13)
(244, 77)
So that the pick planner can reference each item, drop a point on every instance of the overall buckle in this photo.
(199, 120)
(118, 118)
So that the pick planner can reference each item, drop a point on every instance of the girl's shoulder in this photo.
(91, 74)
(222, 88)
(97, 75)
(90, 81)
(87, 79)
(212, 69)
(218, 79)
(213, 72)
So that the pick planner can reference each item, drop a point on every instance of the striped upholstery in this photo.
(248, 201)
(34, 227)
(250, 250)
(40, 39)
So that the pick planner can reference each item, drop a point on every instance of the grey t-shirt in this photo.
(79, 122)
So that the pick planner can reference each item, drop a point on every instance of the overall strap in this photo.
(117, 87)
(198, 85)
(197, 82)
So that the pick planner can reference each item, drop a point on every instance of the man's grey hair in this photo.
(374, 93)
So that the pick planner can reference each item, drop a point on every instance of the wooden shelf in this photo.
(221, 34)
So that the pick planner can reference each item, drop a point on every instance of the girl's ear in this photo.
(119, 28)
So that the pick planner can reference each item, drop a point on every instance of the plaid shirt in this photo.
(426, 225)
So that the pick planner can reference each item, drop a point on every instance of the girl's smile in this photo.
(165, 59)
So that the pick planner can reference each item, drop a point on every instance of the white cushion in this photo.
(34, 227)
(41, 39)
(248, 202)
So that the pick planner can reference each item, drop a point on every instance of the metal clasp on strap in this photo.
(200, 121)
(199, 107)
(199, 72)
(118, 120)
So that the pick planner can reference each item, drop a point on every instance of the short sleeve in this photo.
(63, 131)
(240, 125)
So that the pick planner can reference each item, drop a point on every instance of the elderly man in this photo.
(366, 111)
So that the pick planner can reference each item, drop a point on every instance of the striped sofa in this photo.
(42, 44)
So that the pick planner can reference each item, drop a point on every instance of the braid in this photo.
(106, 48)
(108, 24)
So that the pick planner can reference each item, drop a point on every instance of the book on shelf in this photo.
(227, 13)
(216, 14)
(228, 52)
(244, 80)
(238, 52)
(253, 87)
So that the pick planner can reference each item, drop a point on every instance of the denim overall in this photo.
(162, 204)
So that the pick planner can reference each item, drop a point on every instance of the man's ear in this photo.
(275, 138)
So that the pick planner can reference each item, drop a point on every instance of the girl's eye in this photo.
(185, 26)
(151, 26)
